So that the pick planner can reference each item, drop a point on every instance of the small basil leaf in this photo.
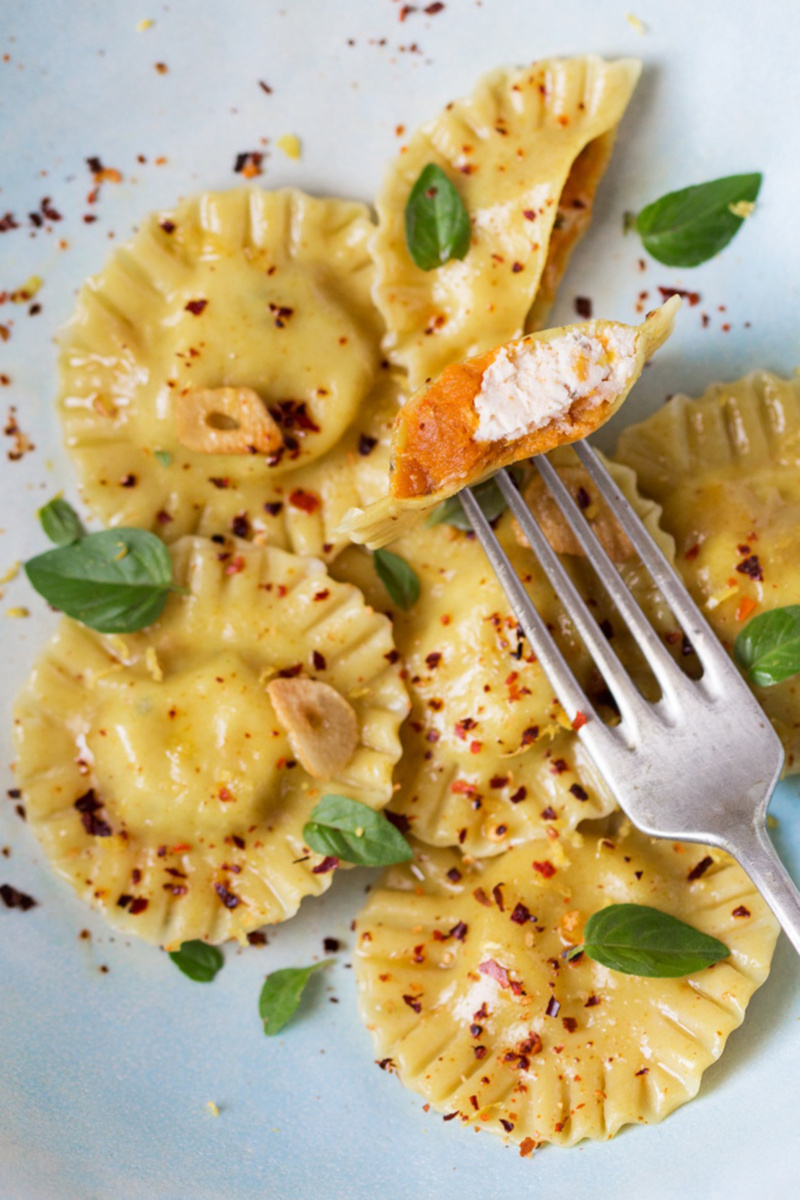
(638, 940)
(198, 960)
(164, 457)
(353, 831)
(491, 502)
(768, 647)
(281, 995)
(115, 581)
(60, 522)
(399, 579)
(686, 228)
(437, 224)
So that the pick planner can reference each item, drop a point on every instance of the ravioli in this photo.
(489, 757)
(156, 772)
(725, 470)
(526, 151)
(465, 993)
(246, 289)
(515, 401)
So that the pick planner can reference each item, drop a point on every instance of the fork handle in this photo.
(760, 860)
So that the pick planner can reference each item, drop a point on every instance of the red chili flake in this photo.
(257, 938)
(418, 955)
(318, 660)
(482, 898)
(454, 875)
(507, 1125)
(228, 898)
(308, 502)
(169, 871)
(329, 863)
(220, 481)
(553, 1006)
(248, 163)
(265, 87)
(521, 915)
(366, 445)
(527, 1147)
(128, 481)
(399, 820)
(741, 911)
(137, 905)
(560, 765)
(238, 841)
(481, 1014)
(493, 969)
(433, 659)
(433, 9)
(643, 1071)
(592, 1001)
(751, 567)
(450, 1116)
(530, 735)
(583, 307)
(578, 792)
(195, 307)
(88, 806)
(240, 525)
(498, 781)
(579, 720)
(291, 672)
(516, 267)
(549, 814)
(8, 221)
(475, 747)
(692, 298)
(167, 226)
(459, 931)
(519, 795)
(497, 892)
(700, 868)
(461, 787)
(236, 565)
(385, 1064)
(163, 517)
(413, 1002)
(545, 868)
(569, 1023)
(12, 898)
(331, 945)
(479, 1051)
(273, 507)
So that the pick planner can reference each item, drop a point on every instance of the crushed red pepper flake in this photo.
(195, 307)
(307, 502)
(583, 307)
(521, 914)
(700, 868)
(740, 911)
(545, 868)
(13, 898)
(228, 898)
(329, 863)
(750, 567)
(88, 806)
(413, 1002)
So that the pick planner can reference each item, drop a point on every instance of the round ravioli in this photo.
(236, 315)
(158, 773)
(509, 149)
(489, 757)
(726, 471)
(467, 996)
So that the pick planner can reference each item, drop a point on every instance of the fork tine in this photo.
(570, 694)
(709, 650)
(660, 660)
(632, 706)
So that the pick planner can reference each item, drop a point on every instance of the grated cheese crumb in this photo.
(147, 23)
(18, 612)
(212, 1108)
(636, 24)
(152, 664)
(742, 208)
(290, 145)
(11, 573)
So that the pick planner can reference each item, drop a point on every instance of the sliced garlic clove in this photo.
(322, 725)
(226, 420)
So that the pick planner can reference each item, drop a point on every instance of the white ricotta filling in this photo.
(536, 383)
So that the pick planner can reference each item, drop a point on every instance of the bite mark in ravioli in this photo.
(517, 400)
(157, 770)
(526, 152)
(465, 993)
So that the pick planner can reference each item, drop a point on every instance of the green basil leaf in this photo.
(768, 647)
(281, 995)
(686, 228)
(491, 502)
(198, 960)
(115, 581)
(353, 831)
(164, 457)
(399, 579)
(638, 940)
(60, 522)
(437, 224)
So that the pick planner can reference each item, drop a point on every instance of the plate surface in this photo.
(108, 1056)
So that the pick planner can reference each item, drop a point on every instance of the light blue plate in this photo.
(105, 1075)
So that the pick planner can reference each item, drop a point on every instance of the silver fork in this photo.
(701, 763)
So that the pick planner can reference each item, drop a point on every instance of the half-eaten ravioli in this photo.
(158, 772)
(520, 399)
(466, 995)
(526, 152)
(726, 469)
(223, 371)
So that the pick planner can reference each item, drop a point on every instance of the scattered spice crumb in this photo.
(212, 1108)
(290, 145)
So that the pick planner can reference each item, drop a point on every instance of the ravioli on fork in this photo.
(517, 400)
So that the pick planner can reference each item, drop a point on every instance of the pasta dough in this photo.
(241, 289)
(510, 148)
(725, 470)
(489, 758)
(465, 993)
(155, 771)
(515, 401)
